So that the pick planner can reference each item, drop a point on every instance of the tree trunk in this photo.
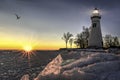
(66, 44)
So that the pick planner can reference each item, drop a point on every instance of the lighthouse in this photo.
(95, 38)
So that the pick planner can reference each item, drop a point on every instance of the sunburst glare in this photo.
(28, 52)
(27, 48)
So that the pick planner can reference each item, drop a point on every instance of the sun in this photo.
(27, 48)
(28, 52)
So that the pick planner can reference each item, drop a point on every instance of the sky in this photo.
(43, 22)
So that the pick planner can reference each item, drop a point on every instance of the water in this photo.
(13, 65)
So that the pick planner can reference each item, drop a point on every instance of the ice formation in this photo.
(25, 77)
(53, 68)
(89, 66)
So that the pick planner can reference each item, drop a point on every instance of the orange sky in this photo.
(14, 43)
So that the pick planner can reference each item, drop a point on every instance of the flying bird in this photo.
(18, 17)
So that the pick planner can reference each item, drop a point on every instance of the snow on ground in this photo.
(87, 65)
(91, 59)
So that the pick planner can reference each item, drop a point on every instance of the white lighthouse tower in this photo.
(95, 38)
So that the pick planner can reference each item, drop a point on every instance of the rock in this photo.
(49, 77)
(91, 59)
(76, 74)
(53, 68)
(102, 67)
(25, 77)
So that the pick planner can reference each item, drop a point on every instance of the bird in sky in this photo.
(18, 17)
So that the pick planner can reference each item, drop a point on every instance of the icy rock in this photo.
(76, 74)
(102, 67)
(25, 77)
(52, 69)
(49, 77)
(91, 59)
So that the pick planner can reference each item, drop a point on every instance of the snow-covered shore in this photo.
(87, 65)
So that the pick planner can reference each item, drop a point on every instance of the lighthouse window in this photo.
(94, 25)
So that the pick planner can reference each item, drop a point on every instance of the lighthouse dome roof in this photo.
(96, 12)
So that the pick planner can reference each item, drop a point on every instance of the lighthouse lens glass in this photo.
(95, 12)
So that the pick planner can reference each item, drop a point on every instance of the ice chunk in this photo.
(54, 67)
(76, 74)
(91, 59)
(25, 77)
(102, 67)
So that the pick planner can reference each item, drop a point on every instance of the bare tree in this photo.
(111, 41)
(108, 41)
(79, 40)
(85, 35)
(70, 42)
(66, 37)
(116, 41)
(82, 38)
